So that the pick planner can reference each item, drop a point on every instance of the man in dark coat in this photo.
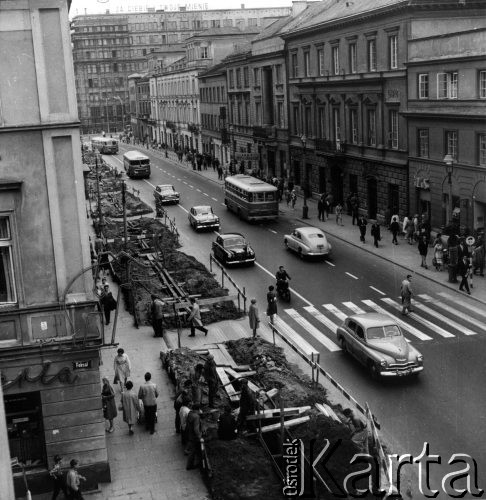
(157, 316)
(211, 376)
(376, 233)
(394, 228)
(453, 252)
(320, 208)
(227, 425)
(362, 223)
(354, 207)
(108, 303)
(247, 404)
(194, 437)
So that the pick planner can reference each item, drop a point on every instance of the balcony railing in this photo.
(267, 132)
(327, 146)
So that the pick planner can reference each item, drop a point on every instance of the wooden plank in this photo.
(275, 412)
(254, 387)
(264, 415)
(287, 423)
(223, 349)
(272, 392)
(237, 375)
(219, 357)
(327, 411)
(230, 390)
(242, 368)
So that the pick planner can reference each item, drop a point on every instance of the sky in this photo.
(80, 7)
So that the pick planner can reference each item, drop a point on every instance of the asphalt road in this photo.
(444, 407)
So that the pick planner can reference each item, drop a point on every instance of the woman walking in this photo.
(438, 253)
(130, 406)
(423, 246)
(109, 405)
(122, 367)
(271, 303)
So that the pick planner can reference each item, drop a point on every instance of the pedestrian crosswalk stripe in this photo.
(312, 330)
(458, 314)
(334, 310)
(292, 336)
(423, 321)
(463, 303)
(405, 326)
(353, 307)
(440, 317)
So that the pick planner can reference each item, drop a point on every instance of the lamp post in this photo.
(449, 161)
(305, 208)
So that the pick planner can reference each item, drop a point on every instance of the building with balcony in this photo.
(107, 48)
(446, 116)
(50, 328)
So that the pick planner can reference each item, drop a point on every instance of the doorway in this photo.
(337, 184)
(372, 197)
(271, 163)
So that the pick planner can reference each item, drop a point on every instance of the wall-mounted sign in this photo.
(392, 95)
(247, 156)
(81, 365)
(64, 375)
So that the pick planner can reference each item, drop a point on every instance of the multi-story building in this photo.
(107, 48)
(446, 120)
(50, 328)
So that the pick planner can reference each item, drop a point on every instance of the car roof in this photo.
(309, 230)
(162, 186)
(202, 207)
(226, 236)
(368, 320)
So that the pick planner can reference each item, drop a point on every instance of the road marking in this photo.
(198, 190)
(272, 231)
(376, 290)
(463, 303)
(149, 183)
(329, 263)
(352, 275)
(334, 310)
(293, 336)
(459, 314)
(312, 330)
(297, 294)
(423, 321)
(409, 328)
(206, 194)
(353, 307)
(184, 182)
(223, 205)
(182, 208)
(178, 179)
(214, 199)
(192, 187)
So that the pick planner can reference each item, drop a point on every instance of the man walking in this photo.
(253, 317)
(464, 270)
(73, 481)
(148, 394)
(58, 478)
(406, 293)
(195, 319)
(394, 228)
(194, 437)
(362, 223)
(212, 379)
(376, 233)
(157, 316)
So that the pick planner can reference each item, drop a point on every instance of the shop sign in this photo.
(81, 365)
(422, 183)
(247, 156)
(64, 375)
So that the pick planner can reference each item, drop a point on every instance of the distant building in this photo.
(109, 47)
(50, 328)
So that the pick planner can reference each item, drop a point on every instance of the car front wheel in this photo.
(374, 371)
(343, 345)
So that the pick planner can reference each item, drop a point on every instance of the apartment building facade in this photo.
(50, 329)
(107, 48)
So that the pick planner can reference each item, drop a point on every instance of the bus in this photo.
(136, 164)
(105, 145)
(250, 198)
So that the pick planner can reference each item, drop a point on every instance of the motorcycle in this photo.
(283, 290)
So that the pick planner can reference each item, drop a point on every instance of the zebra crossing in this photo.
(434, 318)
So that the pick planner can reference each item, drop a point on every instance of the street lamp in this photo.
(449, 161)
(305, 208)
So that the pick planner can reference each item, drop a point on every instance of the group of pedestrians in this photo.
(69, 483)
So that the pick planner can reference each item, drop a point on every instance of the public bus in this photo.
(251, 198)
(105, 145)
(136, 164)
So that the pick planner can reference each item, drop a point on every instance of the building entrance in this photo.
(372, 198)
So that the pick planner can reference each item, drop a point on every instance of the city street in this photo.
(444, 406)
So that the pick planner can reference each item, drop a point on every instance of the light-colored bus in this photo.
(250, 198)
(105, 145)
(136, 164)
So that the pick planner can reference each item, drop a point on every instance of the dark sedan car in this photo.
(232, 248)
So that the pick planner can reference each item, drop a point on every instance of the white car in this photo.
(203, 217)
(165, 193)
(308, 242)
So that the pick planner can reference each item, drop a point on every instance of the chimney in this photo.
(298, 6)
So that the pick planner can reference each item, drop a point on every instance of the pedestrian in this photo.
(395, 229)
(328, 205)
(410, 230)
(288, 197)
(73, 481)
(179, 397)
(148, 393)
(293, 198)
(212, 379)
(227, 425)
(406, 294)
(362, 223)
(358, 428)
(195, 376)
(122, 367)
(247, 405)
(253, 317)
(354, 207)
(58, 480)
(423, 246)
(184, 410)
(464, 269)
(339, 214)
(108, 303)
(320, 208)
(405, 226)
(415, 222)
(108, 401)
(157, 316)
(376, 233)
(130, 406)
(271, 303)
(195, 319)
(479, 254)
(194, 437)
(438, 260)
(453, 254)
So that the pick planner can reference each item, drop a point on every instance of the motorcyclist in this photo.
(281, 276)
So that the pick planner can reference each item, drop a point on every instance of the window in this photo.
(280, 114)
(252, 21)
(308, 121)
(307, 63)
(278, 73)
(482, 84)
(336, 119)
(7, 284)
(482, 149)
(320, 61)
(447, 85)
(295, 66)
(256, 76)
(371, 55)
(353, 124)
(353, 64)
(231, 79)
(394, 129)
(215, 23)
(296, 120)
(204, 53)
(423, 142)
(258, 112)
(246, 77)
(393, 48)
(335, 60)
(238, 78)
(451, 143)
(423, 86)
(371, 127)
(321, 122)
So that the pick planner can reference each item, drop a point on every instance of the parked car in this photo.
(203, 217)
(232, 248)
(165, 193)
(377, 342)
(308, 242)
